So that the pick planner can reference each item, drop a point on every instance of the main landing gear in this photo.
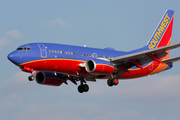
(112, 82)
(83, 87)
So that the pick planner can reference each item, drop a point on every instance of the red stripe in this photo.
(167, 35)
(139, 72)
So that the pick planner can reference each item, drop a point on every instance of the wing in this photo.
(140, 58)
(122, 59)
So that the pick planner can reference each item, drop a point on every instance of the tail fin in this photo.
(162, 34)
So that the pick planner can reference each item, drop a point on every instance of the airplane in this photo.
(55, 64)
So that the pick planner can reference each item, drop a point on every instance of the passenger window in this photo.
(61, 52)
(76, 53)
(55, 51)
(71, 53)
(50, 51)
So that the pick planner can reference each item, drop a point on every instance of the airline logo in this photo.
(159, 32)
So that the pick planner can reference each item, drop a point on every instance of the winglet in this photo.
(162, 34)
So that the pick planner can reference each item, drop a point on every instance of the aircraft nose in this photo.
(13, 57)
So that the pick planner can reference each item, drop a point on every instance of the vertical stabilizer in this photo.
(162, 34)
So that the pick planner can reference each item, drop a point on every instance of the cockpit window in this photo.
(24, 48)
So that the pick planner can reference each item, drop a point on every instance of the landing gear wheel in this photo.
(115, 81)
(80, 88)
(109, 82)
(31, 78)
(83, 88)
(112, 82)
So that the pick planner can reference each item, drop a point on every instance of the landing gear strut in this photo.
(112, 82)
(83, 87)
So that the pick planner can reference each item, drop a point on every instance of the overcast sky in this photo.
(124, 25)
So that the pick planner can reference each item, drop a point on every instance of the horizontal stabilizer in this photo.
(171, 60)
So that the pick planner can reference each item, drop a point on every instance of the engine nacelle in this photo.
(45, 78)
(99, 67)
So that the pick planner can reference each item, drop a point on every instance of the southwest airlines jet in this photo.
(55, 64)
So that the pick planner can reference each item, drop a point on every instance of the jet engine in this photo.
(99, 67)
(45, 78)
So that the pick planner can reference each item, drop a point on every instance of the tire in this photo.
(80, 89)
(31, 78)
(109, 82)
(115, 81)
(85, 88)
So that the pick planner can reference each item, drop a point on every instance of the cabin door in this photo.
(43, 51)
(151, 66)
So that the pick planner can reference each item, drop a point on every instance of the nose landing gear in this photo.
(31, 78)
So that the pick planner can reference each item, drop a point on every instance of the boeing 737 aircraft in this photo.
(55, 64)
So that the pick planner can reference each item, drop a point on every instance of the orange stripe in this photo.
(160, 68)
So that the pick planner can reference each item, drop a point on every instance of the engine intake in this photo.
(99, 67)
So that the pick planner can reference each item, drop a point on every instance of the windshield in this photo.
(24, 48)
